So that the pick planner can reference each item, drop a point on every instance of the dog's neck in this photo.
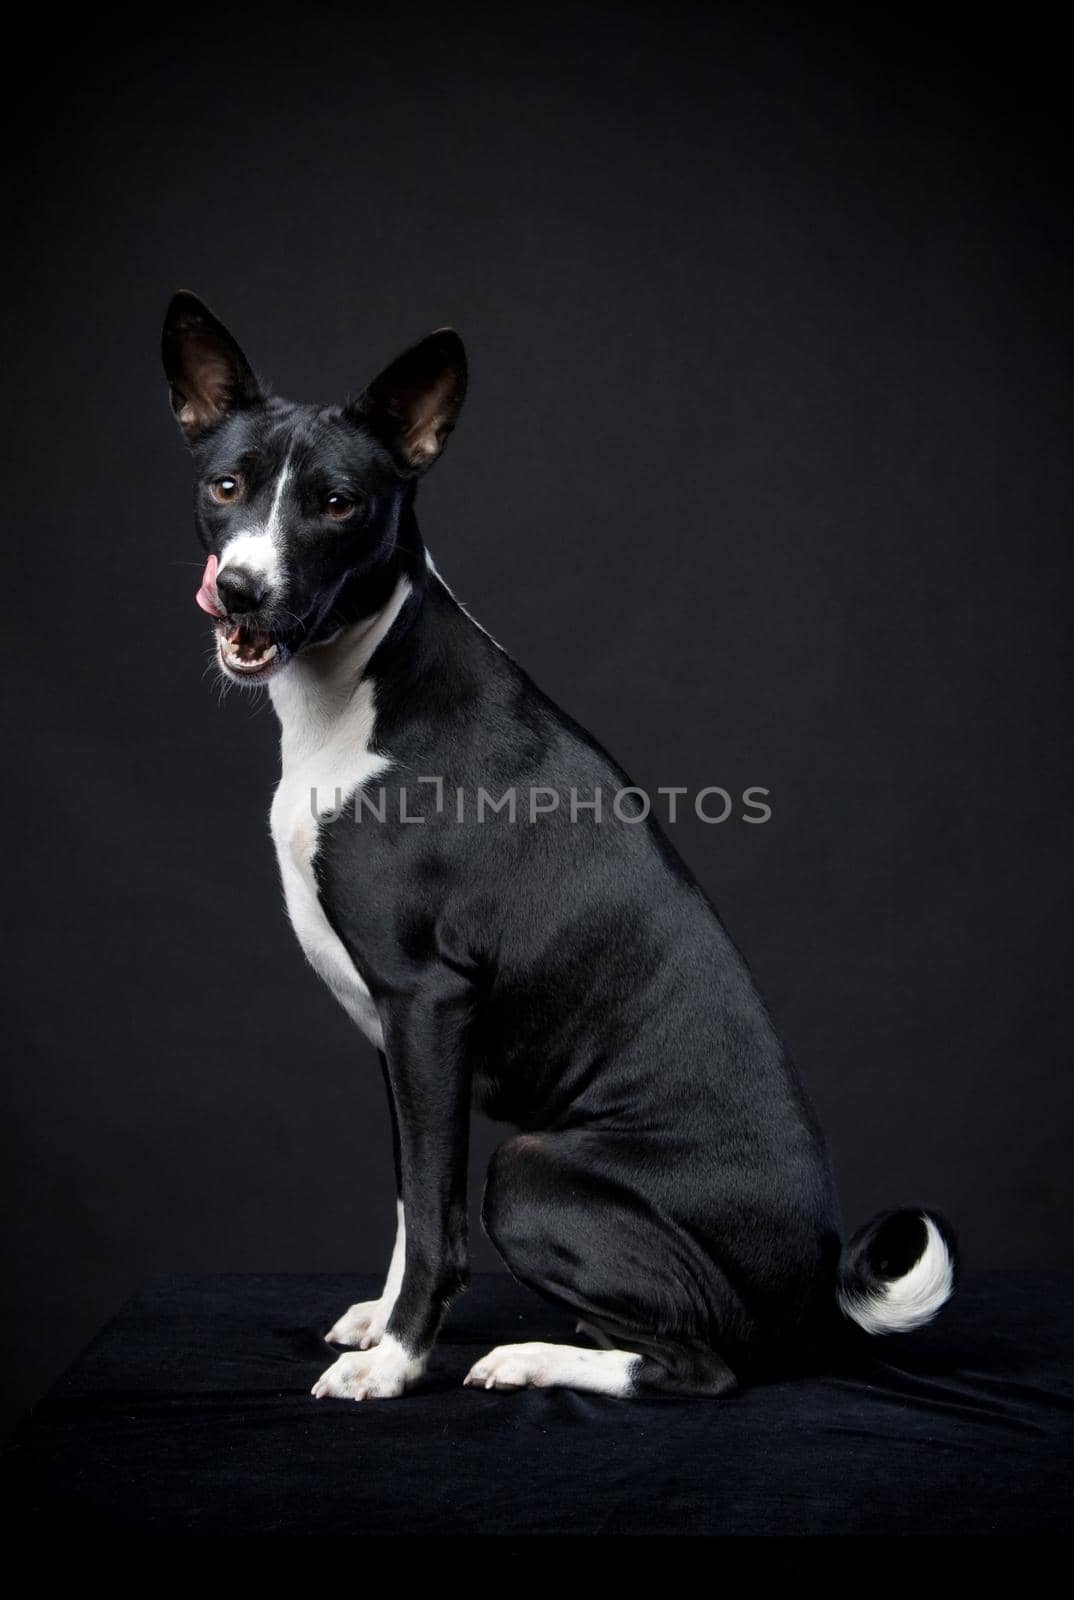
(325, 681)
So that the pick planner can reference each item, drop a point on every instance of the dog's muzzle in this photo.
(244, 651)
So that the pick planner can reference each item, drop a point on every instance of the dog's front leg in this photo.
(365, 1323)
(429, 1082)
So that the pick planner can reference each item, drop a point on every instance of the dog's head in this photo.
(300, 508)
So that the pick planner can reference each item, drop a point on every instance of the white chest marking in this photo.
(327, 716)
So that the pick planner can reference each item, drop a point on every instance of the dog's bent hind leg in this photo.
(568, 1229)
(547, 1366)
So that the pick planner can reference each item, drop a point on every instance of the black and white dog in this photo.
(560, 969)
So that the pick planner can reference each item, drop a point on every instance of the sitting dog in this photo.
(561, 968)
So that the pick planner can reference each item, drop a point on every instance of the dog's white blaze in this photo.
(908, 1302)
(258, 550)
(326, 711)
(549, 1366)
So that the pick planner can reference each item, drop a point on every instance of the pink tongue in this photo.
(206, 595)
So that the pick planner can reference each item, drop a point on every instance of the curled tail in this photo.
(897, 1271)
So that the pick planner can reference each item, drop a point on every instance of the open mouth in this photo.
(245, 653)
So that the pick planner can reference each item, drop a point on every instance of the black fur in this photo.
(669, 1183)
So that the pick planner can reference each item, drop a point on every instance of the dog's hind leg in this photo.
(548, 1366)
(622, 1373)
(597, 1335)
(574, 1231)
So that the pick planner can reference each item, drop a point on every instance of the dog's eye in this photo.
(338, 507)
(225, 490)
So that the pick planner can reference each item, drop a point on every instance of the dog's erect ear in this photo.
(208, 374)
(414, 404)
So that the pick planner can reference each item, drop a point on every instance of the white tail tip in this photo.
(898, 1305)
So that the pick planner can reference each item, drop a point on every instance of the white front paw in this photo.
(378, 1374)
(362, 1326)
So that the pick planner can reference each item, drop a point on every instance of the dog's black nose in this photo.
(239, 591)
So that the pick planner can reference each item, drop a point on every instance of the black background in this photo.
(765, 475)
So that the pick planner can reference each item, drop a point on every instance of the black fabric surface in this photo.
(190, 1414)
